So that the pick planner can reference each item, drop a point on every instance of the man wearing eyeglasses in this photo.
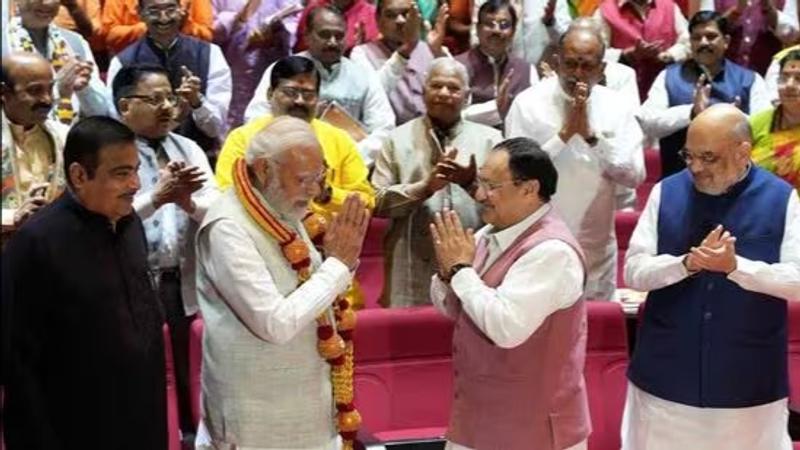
(197, 70)
(177, 188)
(496, 76)
(123, 22)
(596, 144)
(683, 90)
(718, 249)
(356, 91)
(514, 289)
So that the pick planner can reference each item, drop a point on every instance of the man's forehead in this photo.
(328, 20)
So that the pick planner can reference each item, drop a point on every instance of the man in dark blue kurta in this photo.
(83, 354)
(718, 249)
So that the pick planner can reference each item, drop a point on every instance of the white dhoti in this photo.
(652, 423)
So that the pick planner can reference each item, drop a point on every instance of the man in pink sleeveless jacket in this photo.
(515, 290)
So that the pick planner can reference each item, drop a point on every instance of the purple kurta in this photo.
(247, 66)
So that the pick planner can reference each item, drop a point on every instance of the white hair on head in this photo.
(447, 64)
(279, 136)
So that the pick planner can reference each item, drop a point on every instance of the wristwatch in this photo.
(454, 270)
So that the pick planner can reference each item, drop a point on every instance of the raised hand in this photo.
(702, 95)
(411, 31)
(503, 99)
(345, 234)
(73, 77)
(453, 172)
(451, 242)
(37, 199)
(190, 86)
(577, 121)
(437, 33)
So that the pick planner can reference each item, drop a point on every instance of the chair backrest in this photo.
(652, 164)
(195, 365)
(605, 372)
(173, 422)
(794, 353)
(403, 373)
(624, 223)
(370, 269)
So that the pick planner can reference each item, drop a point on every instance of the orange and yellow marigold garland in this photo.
(334, 344)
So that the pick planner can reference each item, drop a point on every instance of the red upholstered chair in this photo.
(794, 354)
(652, 164)
(173, 424)
(624, 222)
(370, 269)
(606, 365)
(403, 373)
(195, 364)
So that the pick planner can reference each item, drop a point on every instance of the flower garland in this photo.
(334, 343)
(21, 40)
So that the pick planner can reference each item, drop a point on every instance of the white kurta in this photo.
(506, 314)
(587, 175)
(652, 423)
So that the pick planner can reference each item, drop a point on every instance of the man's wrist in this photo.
(454, 269)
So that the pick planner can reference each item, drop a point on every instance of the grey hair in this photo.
(741, 130)
(278, 137)
(446, 63)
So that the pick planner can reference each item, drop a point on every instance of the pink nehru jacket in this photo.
(530, 396)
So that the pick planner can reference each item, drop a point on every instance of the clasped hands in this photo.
(345, 234)
(176, 184)
(451, 242)
(716, 253)
(447, 170)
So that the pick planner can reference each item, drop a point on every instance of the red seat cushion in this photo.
(403, 374)
(605, 372)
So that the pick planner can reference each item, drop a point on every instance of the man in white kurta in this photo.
(595, 143)
(731, 324)
(265, 387)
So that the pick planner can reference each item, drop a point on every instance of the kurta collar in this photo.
(621, 3)
(324, 73)
(451, 134)
(504, 238)
(692, 65)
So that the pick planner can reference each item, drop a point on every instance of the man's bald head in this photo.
(586, 23)
(718, 146)
(583, 36)
(580, 58)
(26, 84)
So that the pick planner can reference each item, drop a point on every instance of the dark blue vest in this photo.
(705, 341)
(731, 82)
(187, 51)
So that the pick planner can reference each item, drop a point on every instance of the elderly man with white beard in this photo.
(272, 304)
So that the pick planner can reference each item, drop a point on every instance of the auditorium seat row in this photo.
(403, 375)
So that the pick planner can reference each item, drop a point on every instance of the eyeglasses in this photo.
(154, 12)
(156, 100)
(490, 186)
(706, 158)
(503, 25)
(315, 179)
(292, 92)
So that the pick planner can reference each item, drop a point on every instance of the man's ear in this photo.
(123, 105)
(77, 175)
(262, 170)
(533, 187)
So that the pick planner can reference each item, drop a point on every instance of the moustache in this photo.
(705, 50)
(43, 107)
